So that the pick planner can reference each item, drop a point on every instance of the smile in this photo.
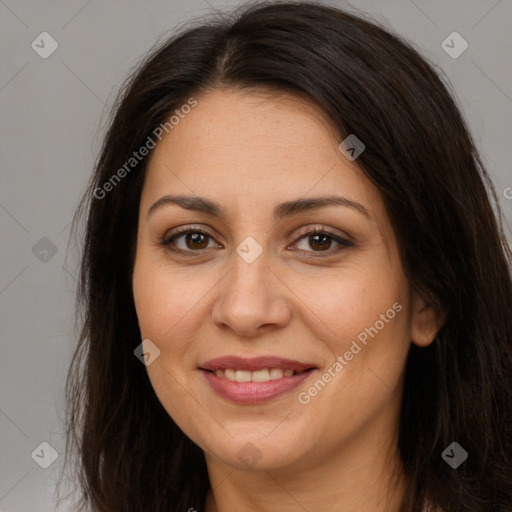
(252, 381)
(257, 376)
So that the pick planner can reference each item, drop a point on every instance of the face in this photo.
(278, 346)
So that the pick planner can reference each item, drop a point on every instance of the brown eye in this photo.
(320, 242)
(187, 241)
(317, 241)
(196, 240)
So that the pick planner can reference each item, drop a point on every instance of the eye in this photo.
(321, 240)
(187, 240)
(190, 240)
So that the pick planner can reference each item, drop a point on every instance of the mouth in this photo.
(255, 380)
(264, 375)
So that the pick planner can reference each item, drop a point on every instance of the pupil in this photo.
(195, 238)
(324, 246)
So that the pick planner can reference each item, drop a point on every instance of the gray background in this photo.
(54, 112)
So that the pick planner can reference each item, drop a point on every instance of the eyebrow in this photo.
(282, 210)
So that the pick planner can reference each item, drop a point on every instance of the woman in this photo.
(295, 292)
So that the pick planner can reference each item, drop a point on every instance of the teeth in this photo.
(260, 376)
(276, 373)
(257, 376)
(243, 376)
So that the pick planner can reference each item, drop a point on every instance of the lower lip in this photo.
(254, 392)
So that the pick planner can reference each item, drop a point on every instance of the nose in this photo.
(251, 299)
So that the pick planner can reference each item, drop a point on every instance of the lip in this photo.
(255, 363)
(254, 392)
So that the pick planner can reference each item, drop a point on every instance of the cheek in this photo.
(161, 296)
(169, 303)
(168, 306)
(365, 321)
(368, 341)
(352, 299)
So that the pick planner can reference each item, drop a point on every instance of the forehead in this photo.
(255, 149)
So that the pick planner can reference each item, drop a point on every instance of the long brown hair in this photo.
(131, 455)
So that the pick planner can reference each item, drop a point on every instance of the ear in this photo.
(426, 321)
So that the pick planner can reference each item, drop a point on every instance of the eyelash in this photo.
(344, 243)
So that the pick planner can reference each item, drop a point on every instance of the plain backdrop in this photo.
(54, 111)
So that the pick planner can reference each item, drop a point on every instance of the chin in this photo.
(258, 452)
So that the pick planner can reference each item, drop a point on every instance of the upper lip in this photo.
(254, 364)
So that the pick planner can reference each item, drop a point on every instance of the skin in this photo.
(250, 151)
